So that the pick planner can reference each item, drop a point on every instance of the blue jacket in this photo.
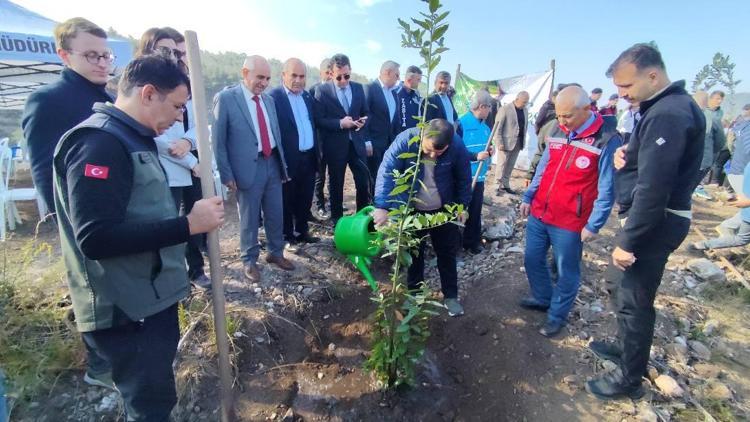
(51, 111)
(452, 172)
(741, 155)
(475, 138)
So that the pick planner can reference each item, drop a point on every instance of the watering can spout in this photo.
(362, 263)
(355, 236)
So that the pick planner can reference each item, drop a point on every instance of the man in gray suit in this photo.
(250, 158)
(510, 131)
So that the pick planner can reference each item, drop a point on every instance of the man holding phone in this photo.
(341, 117)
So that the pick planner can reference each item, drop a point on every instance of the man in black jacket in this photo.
(546, 112)
(381, 103)
(54, 109)
(654, 183)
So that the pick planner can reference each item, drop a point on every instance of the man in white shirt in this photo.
(295, 111)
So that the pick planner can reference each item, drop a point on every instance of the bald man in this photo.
(294, 108)
(567, 202)
(510, 131)
(251, 162)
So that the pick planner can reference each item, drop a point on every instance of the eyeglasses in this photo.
(173, 52)
(347, 77)
(93, 57)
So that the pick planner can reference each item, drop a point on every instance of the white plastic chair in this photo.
(8, 212)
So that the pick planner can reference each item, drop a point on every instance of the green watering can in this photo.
(354, 236)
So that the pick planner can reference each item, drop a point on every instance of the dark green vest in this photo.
(112, 291)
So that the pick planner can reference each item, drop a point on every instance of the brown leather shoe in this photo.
(280, 262)
(252, 273)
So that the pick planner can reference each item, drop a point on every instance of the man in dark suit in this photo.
(440, 105)
(320, 176)
(381, 102)
(250, 158)
(341, 118)
(56, 108)
(294, 108)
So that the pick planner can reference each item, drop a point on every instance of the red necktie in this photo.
(265, 141)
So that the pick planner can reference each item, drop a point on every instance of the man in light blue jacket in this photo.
(476, 134)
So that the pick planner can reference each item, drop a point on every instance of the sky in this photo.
(490, 39)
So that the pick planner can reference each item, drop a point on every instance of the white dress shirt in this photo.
(254, 115)
(301, 119)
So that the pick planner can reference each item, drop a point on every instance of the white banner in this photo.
(538, 85)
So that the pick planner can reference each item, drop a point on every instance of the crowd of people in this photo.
(119, 169)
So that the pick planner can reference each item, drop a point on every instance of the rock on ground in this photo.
(706, 270)
(669, 386)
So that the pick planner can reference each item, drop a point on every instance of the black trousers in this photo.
(717, 170)
(635, 293)
(320, 182)
(445, 241)
(184, 198)
(336, 176)
(298, 194)
(373, 164)
(141, 355)
(95, 364)
(473, 227)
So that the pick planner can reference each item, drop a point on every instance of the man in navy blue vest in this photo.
(408, 100)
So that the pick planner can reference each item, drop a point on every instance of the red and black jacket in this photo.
(568, 188)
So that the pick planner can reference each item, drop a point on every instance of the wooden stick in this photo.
(214, 257)
(726, 262)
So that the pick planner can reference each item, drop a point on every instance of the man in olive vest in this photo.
(122, 240)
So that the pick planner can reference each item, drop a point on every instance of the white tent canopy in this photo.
(28, 57)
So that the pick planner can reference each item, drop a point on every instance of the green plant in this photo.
(719, 72)
(37, 341)
(401, 319)
(697, 333)
(721, 411)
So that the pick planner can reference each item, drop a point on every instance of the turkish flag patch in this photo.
(97, 172)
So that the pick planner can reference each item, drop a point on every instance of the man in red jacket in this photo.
(567, 202)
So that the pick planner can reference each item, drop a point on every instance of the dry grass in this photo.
(38, 343)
